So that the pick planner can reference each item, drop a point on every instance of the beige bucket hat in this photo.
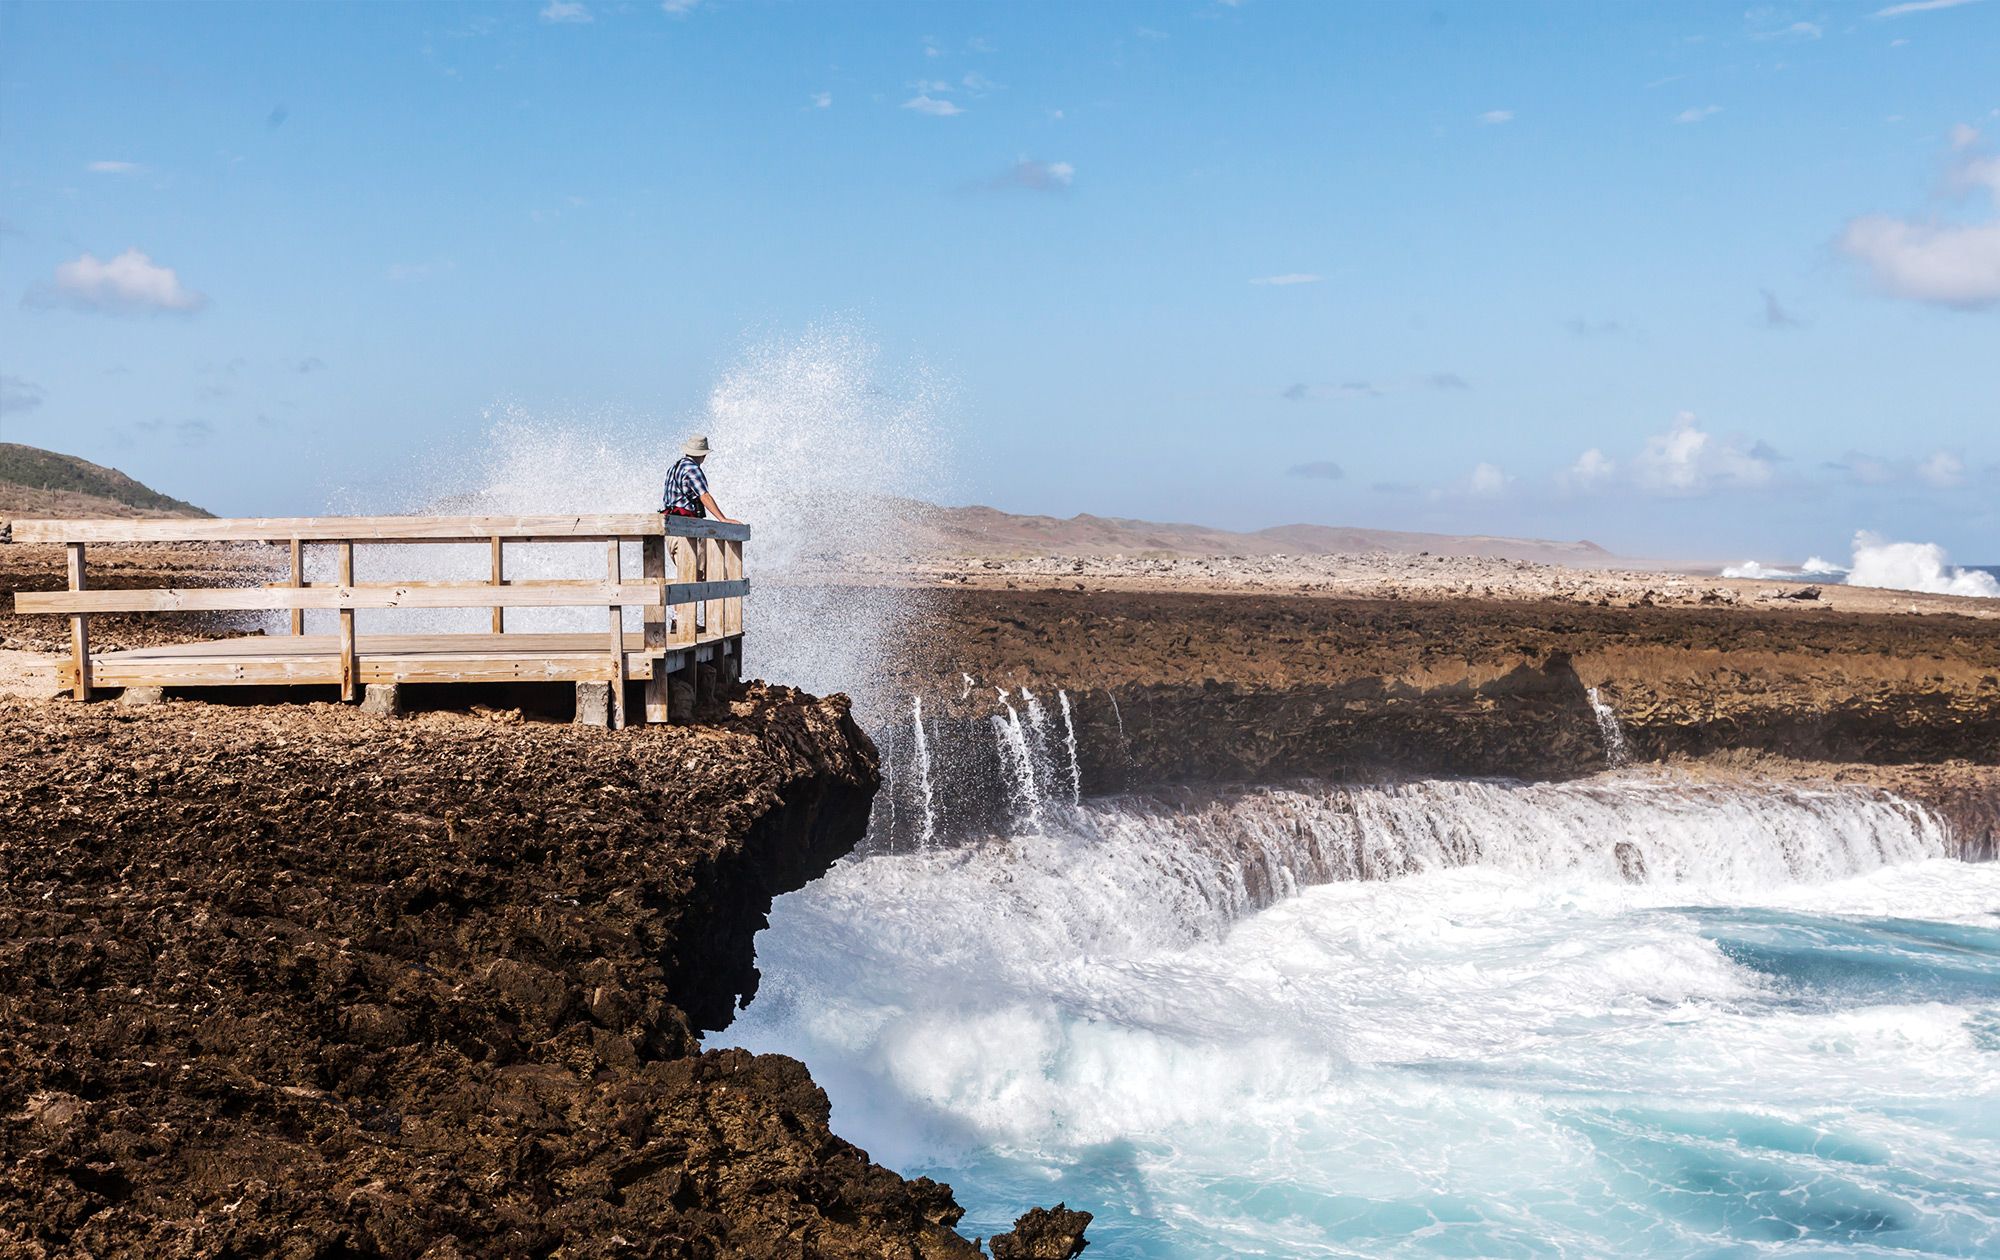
(696, 445)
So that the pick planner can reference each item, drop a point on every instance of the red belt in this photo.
(678, 512)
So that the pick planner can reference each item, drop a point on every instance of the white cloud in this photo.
(1695, 114)
(1946, 264)
(924, 103)
(1488, 480)
(117, 168)
(1036, 176)
(1592, 469)
(1290, 277)
(129, 284)
(1494, 117)
(1919, 6)
(822, 100)
(678, 8)
(1943, 469)
(565, 11)
(1687, 459)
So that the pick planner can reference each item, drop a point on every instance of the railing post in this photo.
(617, 706)
(298, 580)
(732, 608)
(79, 624)
(499, 579)
(712, 568)
(684, 571)
(653, 554)
(350, 680)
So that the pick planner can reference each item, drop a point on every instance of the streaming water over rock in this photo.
(1631, 1014)
(1616, 753)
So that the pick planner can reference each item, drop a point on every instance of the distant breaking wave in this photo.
(1902, 566)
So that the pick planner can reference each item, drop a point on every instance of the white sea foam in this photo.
(1155, 1011)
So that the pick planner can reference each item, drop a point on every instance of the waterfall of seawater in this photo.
(1627, 1015)
(1018, 761)
(1069, 743)
(1616, 754)
(928, 835)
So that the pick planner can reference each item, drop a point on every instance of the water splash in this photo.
(1069, 736)
(1018, 762)
(1616, 753)
(927, 836)
(823, 448)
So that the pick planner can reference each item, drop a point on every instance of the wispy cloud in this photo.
(1289, 277)
(822, 100)
(18, 395)
(925, 103)
(1317, 470)
(1940, 263)
(566, 11)
(1920, 6)
(1775, 315)
(114, 168)
(1687, 460)
(1495, 117)
(1944, 469)
(1488, 481)
(129, 284)
(1582, 327)
(311, 363)
(1698, 113)
(1035, 176)
(678, 8)
(1446, 380)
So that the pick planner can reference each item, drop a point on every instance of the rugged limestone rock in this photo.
(293, 981)
(1044, 1234)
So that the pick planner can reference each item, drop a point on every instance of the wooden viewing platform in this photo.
(691, 590)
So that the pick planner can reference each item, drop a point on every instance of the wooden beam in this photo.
(499, 579)
(387, 595)
(732, 571)
(79, 625)
(614, 577)
(678, 593)
(350, 678)
(653, 558)
(430, 529)
(298, 579)
(699, 527)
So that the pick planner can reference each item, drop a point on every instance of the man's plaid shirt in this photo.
(686, 483)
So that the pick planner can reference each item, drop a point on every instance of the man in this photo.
(686, 492)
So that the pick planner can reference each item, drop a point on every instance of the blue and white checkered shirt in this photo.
(686, 483)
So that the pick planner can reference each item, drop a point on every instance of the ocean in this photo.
(1627, 1015)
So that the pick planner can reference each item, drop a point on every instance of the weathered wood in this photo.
(653, 564)
(79, 625)
(732, 605)
(350, 679)
(499, 579)
(429, 529)
(613, 575)
(298, 579)
(386, 595)
(686, 566)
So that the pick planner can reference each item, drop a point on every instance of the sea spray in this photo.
(1616, 753)
(1040, 740)
(1069, 738)
(824, 450)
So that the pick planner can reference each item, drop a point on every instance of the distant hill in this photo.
(989, 531)
(39, 483)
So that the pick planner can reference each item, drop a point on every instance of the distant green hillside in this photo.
(30, 473)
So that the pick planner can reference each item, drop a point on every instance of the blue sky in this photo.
(1687, 280)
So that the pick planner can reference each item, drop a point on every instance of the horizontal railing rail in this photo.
(692, 591)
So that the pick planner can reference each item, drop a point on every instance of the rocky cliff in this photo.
(295, 981)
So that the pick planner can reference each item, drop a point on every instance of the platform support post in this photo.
(499, 579)
(298, 580)
(653, 556)
(350, 674)
(684, 571)
(613, 575)
(79, 624)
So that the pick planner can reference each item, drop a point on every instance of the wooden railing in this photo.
(699, 601)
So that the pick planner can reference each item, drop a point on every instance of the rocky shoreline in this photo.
(297, 981)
